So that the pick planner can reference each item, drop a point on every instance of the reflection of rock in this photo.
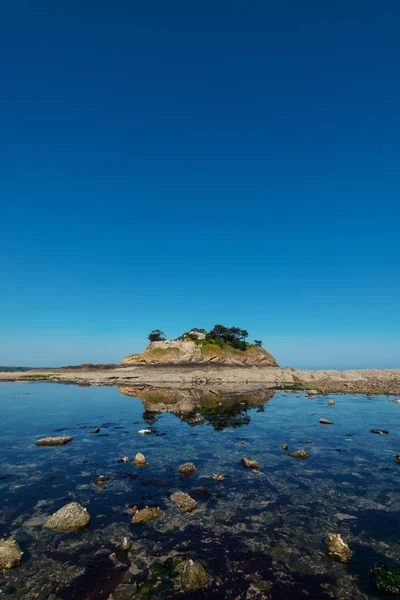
(55, 441)
(195, 406)
(184, 501)
(337, 549)
(193, 576)
(250, 463)
(147, 514)
(10, 554)
(71, 517)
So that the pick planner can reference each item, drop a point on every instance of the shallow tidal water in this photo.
(258, 534)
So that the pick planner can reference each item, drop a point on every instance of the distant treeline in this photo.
(14, 369)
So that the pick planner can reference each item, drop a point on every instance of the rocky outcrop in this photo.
(71, 517)
(10, 554)
(176, 352)
(184, 501)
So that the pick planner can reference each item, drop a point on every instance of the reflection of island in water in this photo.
(196, 406)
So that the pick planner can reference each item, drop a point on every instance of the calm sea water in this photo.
(258, 534)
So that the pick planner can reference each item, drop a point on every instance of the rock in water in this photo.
(71, 517)
(285, 447)
(184, 501)
(101, 480)
(126, 544)
(325, 422)
(398, 459)
(10, 554)
(145, 431)
(396, 401)
(386, 579)
(95, 430)
(123, 460)
(250, 464)
(55, 441)
(331, 403)
(299, 454)
(139, 459)
(218, 477)
(187, 469)
(337, 549)
(193, 576)
(147, 514)
(312, 393)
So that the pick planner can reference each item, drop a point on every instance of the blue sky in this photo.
(175, 165)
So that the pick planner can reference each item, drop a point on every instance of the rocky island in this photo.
(221, 359)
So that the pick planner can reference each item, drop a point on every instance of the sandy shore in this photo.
(369, 381)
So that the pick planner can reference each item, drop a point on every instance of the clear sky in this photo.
(179, 164)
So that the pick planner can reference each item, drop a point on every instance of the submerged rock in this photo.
(123, 460)
(250, 463)
(55, 441)
(187, 469)
(285, 447)
(101, 480)
(71, 517)
(331, 403)
(380, 431)
(337, 549)
(126, 544)
(218, 477)
(184, 501)
(193, 576)
(147, 514)
(299, 454)
(308, 442)
(10, 554)
(386, 579)
(139, 459)
(325, 422)
(145, 431)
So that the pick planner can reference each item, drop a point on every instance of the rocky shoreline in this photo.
(225, 378)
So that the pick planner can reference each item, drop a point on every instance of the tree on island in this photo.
(258, 343)
(156, 335)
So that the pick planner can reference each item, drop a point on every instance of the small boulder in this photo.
(145, 515)
(95, 430)
(299, 454)
(312, 393)
(337, 549)
(397, 401)
(145, 431)
(218, 477)
(10, 554)
(331, 403)
(184, 501)
(126, 544)
(55, 441)
(123, 460)
(139, 459)
(250, 463)
(193, 576)
(325, 422)
(187, 469)
(71, 517)
(285, 447)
